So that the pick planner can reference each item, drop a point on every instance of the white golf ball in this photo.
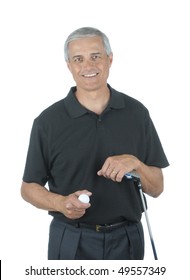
(84, 198)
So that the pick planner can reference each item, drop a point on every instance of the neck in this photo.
(95, 101)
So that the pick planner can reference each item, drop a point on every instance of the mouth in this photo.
(92, 75)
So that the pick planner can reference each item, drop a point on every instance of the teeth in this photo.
(90, 75)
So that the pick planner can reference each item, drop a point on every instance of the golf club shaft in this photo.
(148, 223)
(136, 178)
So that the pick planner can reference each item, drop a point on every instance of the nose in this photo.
(88, 63)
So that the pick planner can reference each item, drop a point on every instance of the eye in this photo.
(78, 59)
(95, 57)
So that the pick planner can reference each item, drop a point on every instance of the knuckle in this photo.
(109, 158)
(69, 212)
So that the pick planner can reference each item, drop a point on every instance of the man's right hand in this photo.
(71, 206)
(40, 197)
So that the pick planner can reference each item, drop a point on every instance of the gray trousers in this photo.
(67, 242)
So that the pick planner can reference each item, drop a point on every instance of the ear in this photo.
(110, 59)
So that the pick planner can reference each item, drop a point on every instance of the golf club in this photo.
(136, 178)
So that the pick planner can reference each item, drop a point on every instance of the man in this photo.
(86, 143)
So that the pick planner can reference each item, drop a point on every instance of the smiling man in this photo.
(85, 144)
(89, 65)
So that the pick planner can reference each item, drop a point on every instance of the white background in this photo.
(151, 46)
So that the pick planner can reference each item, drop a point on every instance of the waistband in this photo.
(100, 228)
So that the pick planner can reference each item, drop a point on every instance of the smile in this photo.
(90, 75)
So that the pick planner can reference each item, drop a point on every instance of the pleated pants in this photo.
(66, 242)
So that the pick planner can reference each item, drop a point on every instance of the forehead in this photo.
(87, 45)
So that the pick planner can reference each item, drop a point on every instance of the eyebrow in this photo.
(80, 55)
(95, 53)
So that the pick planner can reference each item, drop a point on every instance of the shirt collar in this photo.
(116, 100)
(75, 109)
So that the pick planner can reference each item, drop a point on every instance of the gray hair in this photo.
(86, 32)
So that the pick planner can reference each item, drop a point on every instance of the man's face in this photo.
(89, 63)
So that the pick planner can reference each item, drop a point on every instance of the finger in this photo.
(111, 172)
(79, 210)
(113, 175)
(73, 202)
(77, 205)
(105, 167)
(74, 209)
(81, 205)
(77, 193)
(75, 214)
(119, 176)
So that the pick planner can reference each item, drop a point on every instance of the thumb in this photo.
(77, 193)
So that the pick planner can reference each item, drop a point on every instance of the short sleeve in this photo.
(36, 167)
(155, 155)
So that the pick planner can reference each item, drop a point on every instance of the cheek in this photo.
(74, 71)
(72, 68)
(105, 70)
(69, 66)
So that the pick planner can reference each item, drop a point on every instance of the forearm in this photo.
(40, 197)
(151, 179)
(70, 206)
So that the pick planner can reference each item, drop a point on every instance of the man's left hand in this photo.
(116, 167)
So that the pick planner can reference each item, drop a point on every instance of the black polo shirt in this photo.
(69, 144)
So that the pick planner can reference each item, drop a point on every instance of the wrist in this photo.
(138, 166)
(57, 202)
